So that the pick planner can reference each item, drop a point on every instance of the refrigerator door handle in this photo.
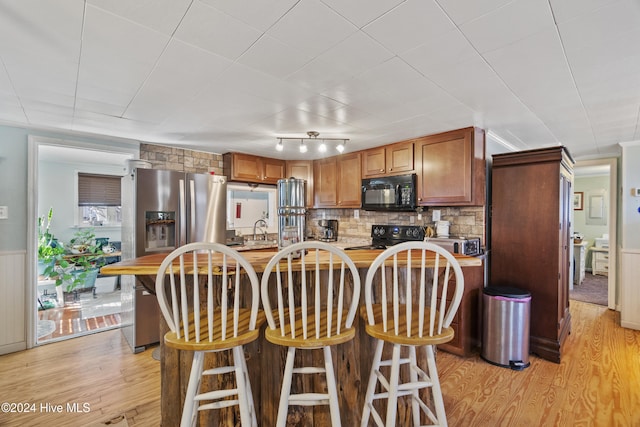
(192, 210)
(182, 213)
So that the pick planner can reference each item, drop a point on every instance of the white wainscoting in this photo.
(12, 303)
(630, 289)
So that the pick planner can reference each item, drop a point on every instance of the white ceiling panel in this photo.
(261, 15)
(508, 24)
(464, 11)
(362, 12)
(275, 58)
(312, 27)
(216, 75)
(409, 25)
(161, 15)
(215, 31)
(536, 70)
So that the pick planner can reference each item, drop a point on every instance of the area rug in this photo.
(593, 289)
(46, 327)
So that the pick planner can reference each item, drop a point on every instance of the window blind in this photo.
(98, 190)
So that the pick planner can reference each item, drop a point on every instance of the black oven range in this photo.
(383, 236)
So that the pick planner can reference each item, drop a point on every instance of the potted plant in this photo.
(82, 263)
(50, 250)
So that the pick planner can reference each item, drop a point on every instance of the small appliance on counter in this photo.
(328, 230)
(459, 245)
(291, 211)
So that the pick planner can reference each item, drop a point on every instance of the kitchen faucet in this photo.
(262, 223)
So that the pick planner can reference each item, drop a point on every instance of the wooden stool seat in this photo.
(244, 334)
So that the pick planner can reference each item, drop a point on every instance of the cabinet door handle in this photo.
(381, 170)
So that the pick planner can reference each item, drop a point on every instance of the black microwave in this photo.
(389, 193)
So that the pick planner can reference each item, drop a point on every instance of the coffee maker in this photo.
(328, 230)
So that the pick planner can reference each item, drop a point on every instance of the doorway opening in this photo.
(92, 304)
(592, 179)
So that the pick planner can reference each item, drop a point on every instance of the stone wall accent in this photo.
(180, 159)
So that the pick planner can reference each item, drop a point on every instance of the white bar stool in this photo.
(408, 312)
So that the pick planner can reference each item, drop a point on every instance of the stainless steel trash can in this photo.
(505, 333)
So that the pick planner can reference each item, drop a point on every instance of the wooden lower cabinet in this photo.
(467, 321)
(530, 239)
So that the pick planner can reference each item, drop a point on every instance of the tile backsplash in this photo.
(464, 221)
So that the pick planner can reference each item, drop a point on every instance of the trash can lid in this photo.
(506, 291)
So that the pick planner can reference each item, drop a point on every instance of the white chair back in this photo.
(411, 278)
(328, 299)
(222, 308)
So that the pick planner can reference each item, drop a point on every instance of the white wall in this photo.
(630, 237)
(630, 230)
(57, 188)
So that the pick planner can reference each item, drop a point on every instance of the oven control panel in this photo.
(397, 233)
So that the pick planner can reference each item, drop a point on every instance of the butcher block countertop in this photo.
(149, 264)
(266, 361)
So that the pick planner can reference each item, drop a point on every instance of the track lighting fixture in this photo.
(313, 136)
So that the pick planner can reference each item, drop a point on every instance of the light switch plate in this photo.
(356, 213)
(4, 212)
(436, 215)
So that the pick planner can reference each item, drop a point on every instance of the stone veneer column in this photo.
(180, 159)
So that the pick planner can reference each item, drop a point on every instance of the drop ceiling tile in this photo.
(473, 83)
(264, 86)
(42, 28)
(313, 36)
(464, 11)
(440, 52)
(508, 24)
(260, 15)
(536, 70)
(362, 12)
(216, 32)
(160, 15)
(356, 54)
(172, 84)
(409, 25)
(273, 57)
(602, 25)
(565, 10)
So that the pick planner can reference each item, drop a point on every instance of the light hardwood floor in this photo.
(597, 383)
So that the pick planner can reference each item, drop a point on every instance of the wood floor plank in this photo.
(596, 384)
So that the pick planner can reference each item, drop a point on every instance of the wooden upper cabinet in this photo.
(388, 160)
(302, 169)
(337, 181)
(349, 185)
(272, 170)
(248, 168)
(451, 168)
(325, 178)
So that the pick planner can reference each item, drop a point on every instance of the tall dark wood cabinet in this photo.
(530, 227)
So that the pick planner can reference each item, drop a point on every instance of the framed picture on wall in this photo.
(578, 202)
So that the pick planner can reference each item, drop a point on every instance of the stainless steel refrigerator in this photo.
(163, 210)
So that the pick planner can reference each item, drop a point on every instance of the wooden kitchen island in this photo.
(266, 361)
